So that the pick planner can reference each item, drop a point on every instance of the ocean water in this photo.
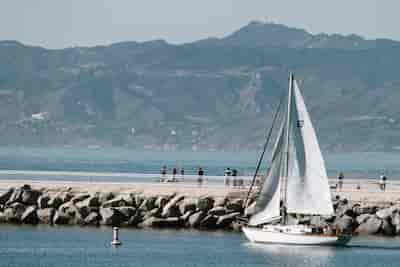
(121, 164)
(74, 246)
(80, 247)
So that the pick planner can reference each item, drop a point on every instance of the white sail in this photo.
(307, 183)
(268, 202)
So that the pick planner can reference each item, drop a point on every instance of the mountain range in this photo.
(212, 94)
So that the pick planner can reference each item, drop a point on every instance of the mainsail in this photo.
(297, 176)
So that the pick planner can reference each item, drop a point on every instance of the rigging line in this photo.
(264, 149)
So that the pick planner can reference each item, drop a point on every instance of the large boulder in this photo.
(156, 212)
(209, 222)
(61, 218)
(111, 216)
(130, 199)
(185, 217)
(226, 220)
(370, 226)
(364, 209)
(362, 218)
(161, 201)
(139, 200)
(387, 212)
(88, 205)
(92, 219)
(217, 211)
(148, 203)
(45, 215)
(387, 228)
(57, 200)
(3, 218)
(16, 195)
(220, 201)
(118, 201)
(188, 204)
(76, 216)
(43, 202)
(136, 218)
(104, 197)
(14, 212)
(30, 197)
(196, 218)
(5, 196)
(30, 216)
(345, 209)
(395, 218)
(79, 198)
(127, 212)
(171, 209)
(235, 205)
(344, 223)
(205, 203)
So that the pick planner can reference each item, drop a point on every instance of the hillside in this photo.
(155, 95)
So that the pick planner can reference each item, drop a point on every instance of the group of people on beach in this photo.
(382, 182)
(174, 177)
(232, 174)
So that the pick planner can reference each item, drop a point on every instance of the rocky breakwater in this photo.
(25, 205)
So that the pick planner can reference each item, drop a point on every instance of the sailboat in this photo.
(296, 184)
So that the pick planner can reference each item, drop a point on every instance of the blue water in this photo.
(122, 160)
(72, 246)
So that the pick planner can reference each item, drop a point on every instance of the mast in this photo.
(286, 173)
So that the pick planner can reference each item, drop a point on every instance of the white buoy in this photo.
(115, 241)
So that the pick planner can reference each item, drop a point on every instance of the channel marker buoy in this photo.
(115, 241)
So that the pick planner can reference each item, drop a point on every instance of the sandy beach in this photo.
(369, 191)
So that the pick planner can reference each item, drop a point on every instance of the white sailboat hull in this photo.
(274, 235)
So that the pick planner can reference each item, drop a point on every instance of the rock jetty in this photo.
(26, 205)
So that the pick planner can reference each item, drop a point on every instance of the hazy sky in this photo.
(64, 23)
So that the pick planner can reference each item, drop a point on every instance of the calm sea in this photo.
(74, 247)
(115, 164)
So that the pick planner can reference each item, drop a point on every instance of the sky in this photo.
(66, 23)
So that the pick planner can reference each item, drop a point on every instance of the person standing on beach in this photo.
(340, 180)
(182, 174)
(163, 173)
(200, 174)
(382, 182)
(227, 174)
(234, 178)
(174, 172)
